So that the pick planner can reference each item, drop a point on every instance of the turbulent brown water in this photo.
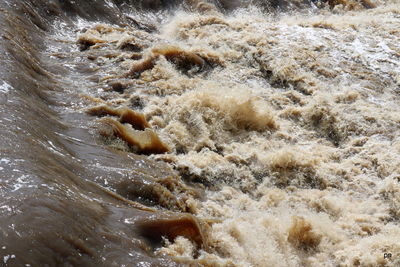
(200, 133)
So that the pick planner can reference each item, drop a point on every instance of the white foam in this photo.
(4, 160)
(5, 87)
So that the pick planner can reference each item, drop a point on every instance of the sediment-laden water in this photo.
(200, 133)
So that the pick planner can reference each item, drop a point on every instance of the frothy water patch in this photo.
(5, 87)
(290, 128)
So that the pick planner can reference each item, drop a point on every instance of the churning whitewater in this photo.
(289, 121)
(272, 130)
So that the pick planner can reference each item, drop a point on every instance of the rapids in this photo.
(200, 133)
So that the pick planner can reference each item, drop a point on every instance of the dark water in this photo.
(54, 210)
(69, 196)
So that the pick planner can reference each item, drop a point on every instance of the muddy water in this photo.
(225, 133)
